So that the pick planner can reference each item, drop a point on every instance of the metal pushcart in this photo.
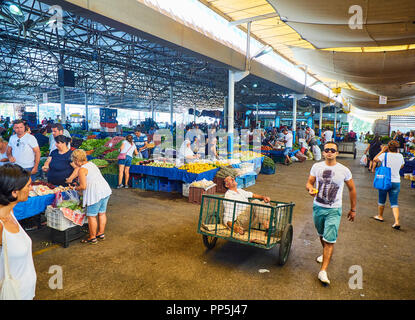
(348, 147)
(266, 225)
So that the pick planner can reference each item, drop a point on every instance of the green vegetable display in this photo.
(99, 162)
(112, 155)
(136, 161)
(91, 144)
(73, 205)
(99, 151)
(111, 169)
(225, 172)
(268, 163)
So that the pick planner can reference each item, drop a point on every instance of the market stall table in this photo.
(33, 206)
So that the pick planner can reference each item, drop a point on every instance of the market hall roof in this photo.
(318, 34)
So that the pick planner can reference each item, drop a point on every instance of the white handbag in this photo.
(9, 287)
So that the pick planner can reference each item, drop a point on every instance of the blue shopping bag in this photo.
(383, 177)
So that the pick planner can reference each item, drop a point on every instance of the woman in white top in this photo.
(395, 161)
(186, 153)
(3, 152)
(15, 185)
(96, 193)
(128, 148)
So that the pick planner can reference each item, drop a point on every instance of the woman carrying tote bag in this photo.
(395, 162)
(17, 271)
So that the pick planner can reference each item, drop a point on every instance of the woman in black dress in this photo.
(374, 148)
(61, 170)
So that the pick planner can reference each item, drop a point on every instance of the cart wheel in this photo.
(209, 242)
(285, 244)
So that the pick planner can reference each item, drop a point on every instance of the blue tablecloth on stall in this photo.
(32, 206)
(173, 173)
(409, 167)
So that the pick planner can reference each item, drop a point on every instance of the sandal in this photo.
(377, 218)
(101, 236)
(90, 241)
(396, 227)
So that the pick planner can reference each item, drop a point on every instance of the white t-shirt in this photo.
(329, 183)
(3, 156)
(128, 148)
(24, 154)
(239, 195)
(328, 135)
(289, 138)
(394, 161)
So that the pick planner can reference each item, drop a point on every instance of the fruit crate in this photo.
(152, 183)
(138, 182)
(249, 179)
(167, 185)
(220, 186)
(240, 181)
(195, 194)
(56, 220)
(112, 180)
(64, 237)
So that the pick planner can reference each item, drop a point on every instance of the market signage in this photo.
(265, 113)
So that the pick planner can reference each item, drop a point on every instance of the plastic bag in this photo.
(363, 160)
(316, 153)
(309, 155)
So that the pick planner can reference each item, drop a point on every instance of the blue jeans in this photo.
(35, 176)
(393, 195)
(126, 162)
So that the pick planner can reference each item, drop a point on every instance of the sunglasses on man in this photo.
(332, 150)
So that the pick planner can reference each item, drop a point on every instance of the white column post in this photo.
(86, 110)
(63, 113)
(294, 126)
(231, 107)
(320, 125)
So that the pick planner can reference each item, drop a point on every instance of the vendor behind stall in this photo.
(141, 142)
(61, 170)
(185, 153)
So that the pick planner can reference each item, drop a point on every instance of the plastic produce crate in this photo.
(167, 185)
(249, 180)
(240, 181)
(152, 183)
(195, 194)
(56, 220)
(112, 180)
(64, 237)
(220, 187)
(138, 182)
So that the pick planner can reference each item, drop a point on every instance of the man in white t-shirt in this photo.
(242, 211)
(23, 149)
(57, 130)
(329, 177)
(288, 140)
(328, 135)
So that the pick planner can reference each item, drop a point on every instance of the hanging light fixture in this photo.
(13, 11)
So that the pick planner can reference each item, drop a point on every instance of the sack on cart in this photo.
(316, 153)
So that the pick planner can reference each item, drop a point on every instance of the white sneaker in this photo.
(319, 259)
(322, 276)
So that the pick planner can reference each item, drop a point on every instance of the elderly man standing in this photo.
(242, 212)
(23, 149)
(57, 130)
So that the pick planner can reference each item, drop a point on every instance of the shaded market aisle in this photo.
(153, 251)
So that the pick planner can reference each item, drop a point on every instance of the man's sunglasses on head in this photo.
(332, 150)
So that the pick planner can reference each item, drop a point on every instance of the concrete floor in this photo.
(153, 251)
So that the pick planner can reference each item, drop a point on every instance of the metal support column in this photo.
(256, 119)
(320, 124)
(294, 126)
(63, 113)
(38, 112)
(335, 123)
(171, 107)
(86, 111)
(231, 107)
